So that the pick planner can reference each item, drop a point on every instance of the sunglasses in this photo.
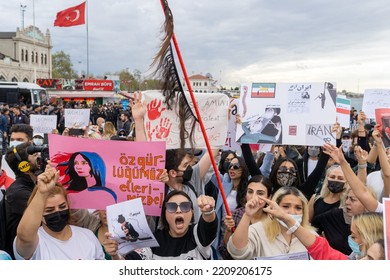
(184, 206)
(235, 166)
(284, 169)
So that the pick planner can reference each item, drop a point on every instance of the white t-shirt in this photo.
(232, 200)
(311, 164)
(82, 245)
(375, 181)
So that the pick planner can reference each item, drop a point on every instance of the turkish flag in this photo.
(71, 16)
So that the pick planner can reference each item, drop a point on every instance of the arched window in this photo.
(42, 58)
(205, 84)
(25, 80)
(2, 78)
(36, 57)
(22, 55)
(14, 79)
(26, 55)
(45, 58)
(32, 57)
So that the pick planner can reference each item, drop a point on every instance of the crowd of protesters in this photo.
(291, 199)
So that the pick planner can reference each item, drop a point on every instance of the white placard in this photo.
(287, 113)
(164, 125)
(43, 123)
(78, 118)
(343, 109)
(375, 98)
(127, 223)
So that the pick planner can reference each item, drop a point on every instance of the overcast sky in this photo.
(343, 41)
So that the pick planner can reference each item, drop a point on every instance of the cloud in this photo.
(248, 40)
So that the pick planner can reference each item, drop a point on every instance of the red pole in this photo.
(200, 120)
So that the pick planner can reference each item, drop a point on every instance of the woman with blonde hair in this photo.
(271, 237)
(366, 230)
(332, 189)
(108, 130)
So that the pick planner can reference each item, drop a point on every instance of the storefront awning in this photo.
(83, 94)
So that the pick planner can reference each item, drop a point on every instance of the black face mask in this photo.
(335, 186)
(57, 221)
(187, 174)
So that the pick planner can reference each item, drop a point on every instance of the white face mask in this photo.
(346, 144)
(38, 142)
(15, 143)
(297, 218)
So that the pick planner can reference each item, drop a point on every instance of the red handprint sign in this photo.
(164, 128)
(155, 109)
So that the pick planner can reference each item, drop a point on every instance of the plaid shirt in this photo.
(236, 215)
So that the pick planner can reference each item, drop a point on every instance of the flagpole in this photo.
(34, 35)
(86, 8)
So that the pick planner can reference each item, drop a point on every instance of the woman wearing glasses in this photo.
(180, 238)
(235, 183)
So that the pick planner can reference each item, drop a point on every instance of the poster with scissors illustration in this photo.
(127, 223)
(287, 113)
(162, 124)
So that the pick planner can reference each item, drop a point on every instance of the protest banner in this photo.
(77, 117)
(163, 125)
(287, 113)
(382, 118)
(343, 109)
(43, 123)
(230, 143)
(375, 98)
(99, 173)
(127, 223)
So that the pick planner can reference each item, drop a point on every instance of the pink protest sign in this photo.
(99, 173)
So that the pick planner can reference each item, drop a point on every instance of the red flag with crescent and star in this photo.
(71, 16)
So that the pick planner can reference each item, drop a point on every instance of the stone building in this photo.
(25, 55)
(200, 83)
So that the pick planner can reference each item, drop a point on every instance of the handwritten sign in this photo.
(319, 134)
(375, 98)
(77, 117)
(43, 123)
(127, 223)
(283, 116)
(343, 109)
(230, 143)
(100, 173)
(163, 125)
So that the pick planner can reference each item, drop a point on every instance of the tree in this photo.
(127, 81)
(62, 66)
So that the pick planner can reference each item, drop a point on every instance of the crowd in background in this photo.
(325, 201)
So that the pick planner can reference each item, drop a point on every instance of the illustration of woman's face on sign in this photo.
(81, 166)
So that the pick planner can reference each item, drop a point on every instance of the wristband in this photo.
(362, 166)
(294, 228)
(208, 213)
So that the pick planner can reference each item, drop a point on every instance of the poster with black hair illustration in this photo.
(285, 113)
(128, 226)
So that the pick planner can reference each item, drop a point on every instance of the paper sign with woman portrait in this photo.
(382, 117)
(99, 173)
(127, 223)
(162, 124)
(287, 113)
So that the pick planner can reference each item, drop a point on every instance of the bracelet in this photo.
(209, 213)
(294, 228)
(362, 166)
